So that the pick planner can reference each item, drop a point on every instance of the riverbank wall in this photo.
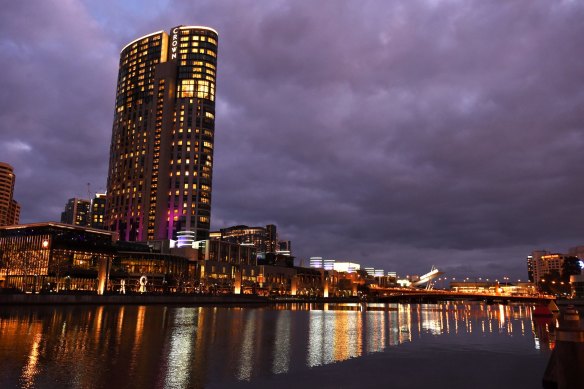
(82, 299)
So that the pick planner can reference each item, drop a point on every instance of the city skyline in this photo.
(398, 136)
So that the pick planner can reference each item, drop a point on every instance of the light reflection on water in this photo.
(281, 355)
(176, 347)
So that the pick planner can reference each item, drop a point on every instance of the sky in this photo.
(395, 134)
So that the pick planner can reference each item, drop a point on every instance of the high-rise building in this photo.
(9, 208)
(530, 268)
(98, 211)
(161, 154)
(537, 265)
(14, 212)
(77, 212)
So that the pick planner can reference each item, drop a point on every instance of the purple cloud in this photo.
(397, 135)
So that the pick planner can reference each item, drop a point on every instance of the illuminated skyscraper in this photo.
(161, 155)
(9, 208)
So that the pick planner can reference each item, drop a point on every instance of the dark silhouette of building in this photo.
(98, 211)
(77, 212)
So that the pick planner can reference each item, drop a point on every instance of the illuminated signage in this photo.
(174, 43)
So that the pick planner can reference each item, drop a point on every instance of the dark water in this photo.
(454, 345)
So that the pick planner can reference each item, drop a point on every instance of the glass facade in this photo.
(52, 256)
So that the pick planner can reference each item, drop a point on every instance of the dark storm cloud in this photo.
(56, 99)
(397, 135)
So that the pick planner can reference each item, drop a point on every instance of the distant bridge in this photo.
(420, 295)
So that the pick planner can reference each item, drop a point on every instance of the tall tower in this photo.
(161, 154)
(9, 208)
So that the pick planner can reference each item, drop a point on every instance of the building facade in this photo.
(77, 212)
(321, 263)
(161, 153)
(264, 239)
(530, 268)
(62, 258)
(98, 211)
(54, 256)
(539, 266)
(551, 271)
(9, 208)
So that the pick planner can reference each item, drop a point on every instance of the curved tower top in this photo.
(161, 154)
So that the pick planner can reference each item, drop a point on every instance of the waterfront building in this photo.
(9, 208)
(307, 282)
(264, 239)
(220, 264)
(494, 287)
(137, 269)
(54, 256)
(98, 211)
(161, 153)
(546, 264)
(77, 212)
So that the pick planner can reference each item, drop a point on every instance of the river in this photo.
(449, 345)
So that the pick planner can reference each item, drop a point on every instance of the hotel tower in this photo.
(161, 155)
